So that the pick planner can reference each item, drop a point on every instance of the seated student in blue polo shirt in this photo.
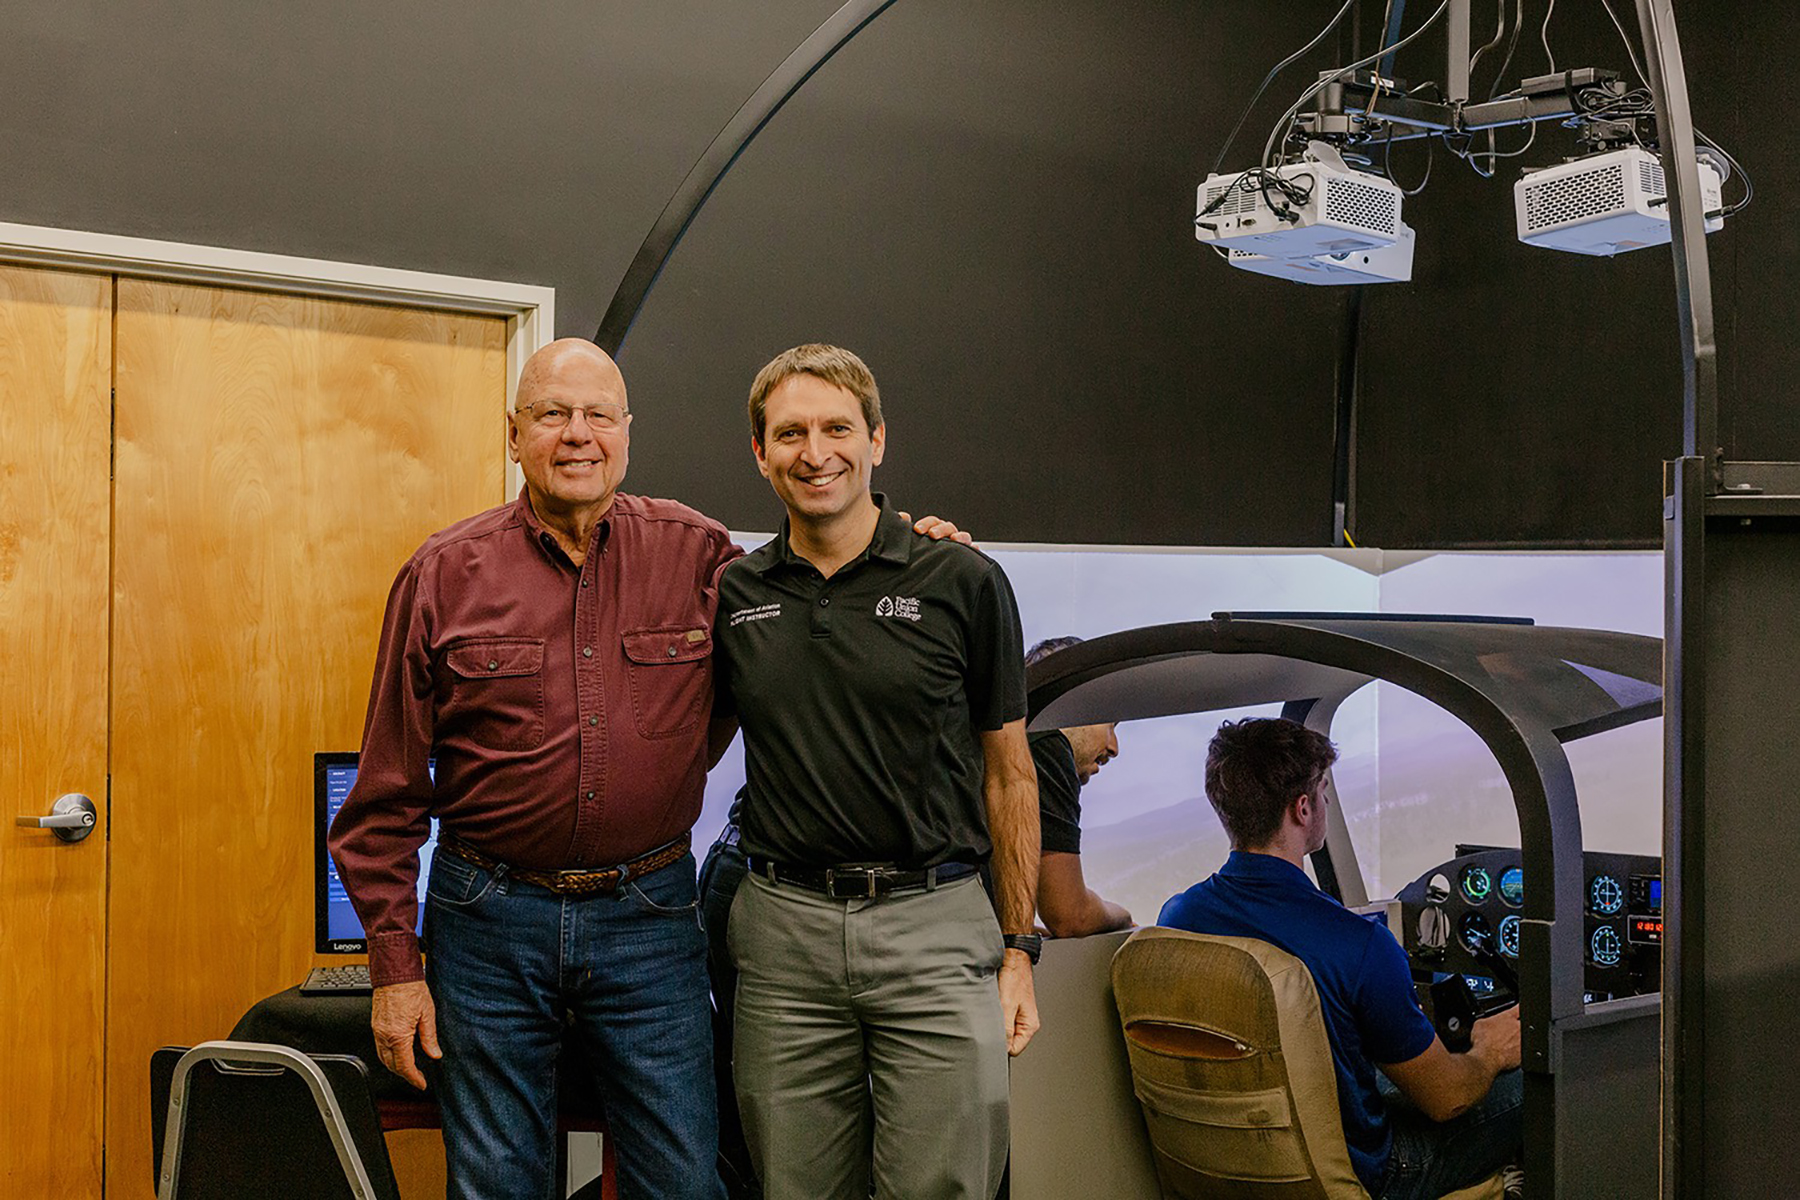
(1438, 1121)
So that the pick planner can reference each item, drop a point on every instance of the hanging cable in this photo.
(1270, 77)
(1731, 210)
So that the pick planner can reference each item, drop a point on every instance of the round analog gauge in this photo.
(1476, 884)
(1605, 895)
(1473, 932)
(1509, 935)
(1512, 886)
(1604, 947)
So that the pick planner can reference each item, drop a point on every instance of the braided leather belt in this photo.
(586, 881)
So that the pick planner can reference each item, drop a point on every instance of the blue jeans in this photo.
(1430, 1158)
(511, 967)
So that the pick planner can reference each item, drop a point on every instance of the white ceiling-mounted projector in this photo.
(1389, 264)
(1606, 203)
(1344, 211)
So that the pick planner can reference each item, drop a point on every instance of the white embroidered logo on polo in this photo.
(904, 607)
(761, 612)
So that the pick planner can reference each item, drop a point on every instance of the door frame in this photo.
(529, 309)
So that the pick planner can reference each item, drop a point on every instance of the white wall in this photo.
(1413, 781)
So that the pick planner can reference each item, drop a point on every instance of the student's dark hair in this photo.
(1047, 647)
(1255, 768)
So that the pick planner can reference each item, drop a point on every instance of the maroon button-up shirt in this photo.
(566, 708)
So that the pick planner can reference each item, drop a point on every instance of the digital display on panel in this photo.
(341, 922)
(1646, 893)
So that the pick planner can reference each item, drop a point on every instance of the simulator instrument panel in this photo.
(1460, 924)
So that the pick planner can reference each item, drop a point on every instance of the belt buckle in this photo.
(586, 882)
(866, 875)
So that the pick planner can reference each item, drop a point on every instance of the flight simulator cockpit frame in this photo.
(1591, 1117)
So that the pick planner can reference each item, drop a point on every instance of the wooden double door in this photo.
(204, 495)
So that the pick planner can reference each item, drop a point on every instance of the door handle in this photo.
(71, 818)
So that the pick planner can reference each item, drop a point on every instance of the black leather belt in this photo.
(862, 881)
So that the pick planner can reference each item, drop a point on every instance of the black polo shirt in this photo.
(861, 696)
(1059, 792)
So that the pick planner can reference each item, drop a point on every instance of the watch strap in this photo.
(1032, 944)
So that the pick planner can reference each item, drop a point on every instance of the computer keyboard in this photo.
(338, 981)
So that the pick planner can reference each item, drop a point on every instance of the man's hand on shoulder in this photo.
(1018, 1000)
(399, 1012)
(937, 529)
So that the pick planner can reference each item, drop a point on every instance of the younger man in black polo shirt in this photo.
(880, 684)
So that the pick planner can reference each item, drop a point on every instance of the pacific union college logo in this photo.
(904, 607)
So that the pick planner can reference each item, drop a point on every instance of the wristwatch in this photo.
(1032, 944)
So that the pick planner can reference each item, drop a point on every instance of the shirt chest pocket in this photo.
(496, 693)
(671, 678)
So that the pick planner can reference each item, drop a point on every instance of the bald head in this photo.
(570, 433)
(576, 362)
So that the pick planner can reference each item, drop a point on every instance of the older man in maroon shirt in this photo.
(554, 656)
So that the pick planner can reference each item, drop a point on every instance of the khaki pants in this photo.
(869, 1044)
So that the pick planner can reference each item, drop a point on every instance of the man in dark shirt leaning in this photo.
(1438, 1121)
(1065, 760)
(879, 681)
(554, 656)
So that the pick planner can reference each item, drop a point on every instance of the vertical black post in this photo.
(1699, 474)
(1684, 806)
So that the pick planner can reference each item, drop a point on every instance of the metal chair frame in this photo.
(227, 1055)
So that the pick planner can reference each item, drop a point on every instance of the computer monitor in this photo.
(336, 927)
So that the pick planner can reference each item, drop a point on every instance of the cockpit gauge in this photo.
(1477, 884)
(1606, 896)
(1473, 931)
(1605, 947)
(1509, 935)
(1512, 886)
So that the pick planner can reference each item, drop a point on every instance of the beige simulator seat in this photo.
(1231, 1065)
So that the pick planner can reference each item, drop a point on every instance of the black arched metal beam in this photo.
(1693, 279)
(744, 125)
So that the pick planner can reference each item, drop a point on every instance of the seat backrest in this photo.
(259, 1120)
(1233, 1069)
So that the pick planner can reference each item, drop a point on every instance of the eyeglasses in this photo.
(602, 418)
